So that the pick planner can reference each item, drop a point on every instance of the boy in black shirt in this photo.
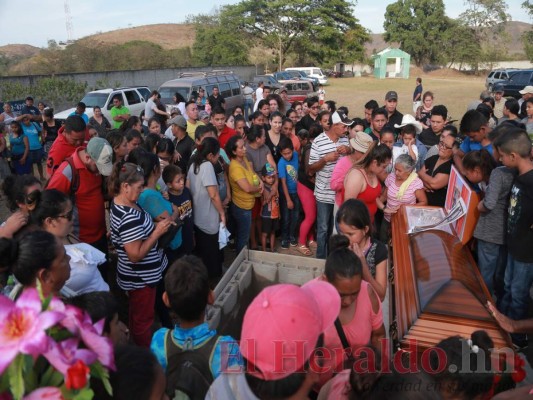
(514, 148)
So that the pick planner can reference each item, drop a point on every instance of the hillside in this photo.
(168, 36)
(514, 30)
(18, 50)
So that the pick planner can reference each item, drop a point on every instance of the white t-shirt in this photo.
(397, 150)
(84, 274)
(149, 111)
(258, 97)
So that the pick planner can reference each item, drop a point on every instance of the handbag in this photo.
(350, 360)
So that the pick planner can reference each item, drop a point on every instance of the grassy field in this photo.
(454, 91)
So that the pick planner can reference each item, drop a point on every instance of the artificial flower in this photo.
(45, 393)
(64, 354)
(77, 376)
(23, 326)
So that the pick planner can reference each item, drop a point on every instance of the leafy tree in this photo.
(459, 44)
(418, 26)
(527, 37)
(487, 18)
(317, 27)
(216, 42)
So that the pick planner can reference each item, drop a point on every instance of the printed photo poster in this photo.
(458, 188)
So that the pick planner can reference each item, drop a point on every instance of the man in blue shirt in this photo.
(30, 110)
(80, 111)
(475, 127)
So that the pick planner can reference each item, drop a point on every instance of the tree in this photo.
(487, 18)
(217, 42)
(459, 44)
(418, 26)
(300, 26)
(527, 37)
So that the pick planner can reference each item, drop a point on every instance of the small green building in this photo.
(401, 67)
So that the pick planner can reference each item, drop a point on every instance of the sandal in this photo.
(304, 250)
(313, 244)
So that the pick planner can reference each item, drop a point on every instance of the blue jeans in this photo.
(248, 108)
(243, 223)
(289, 219)
(324, 227)
(518, 281)
(491, 260)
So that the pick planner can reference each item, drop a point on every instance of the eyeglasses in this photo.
(68, 215)
(444, 146)
(315, 107)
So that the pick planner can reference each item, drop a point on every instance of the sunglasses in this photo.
(67, 216)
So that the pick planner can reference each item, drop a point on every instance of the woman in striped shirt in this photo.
(140, 260)
(401, 187)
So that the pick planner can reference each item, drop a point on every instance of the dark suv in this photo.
(516, 82)
(268, 80)
(498, 75)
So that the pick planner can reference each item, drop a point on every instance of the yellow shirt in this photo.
(237, 172)
(191, 128)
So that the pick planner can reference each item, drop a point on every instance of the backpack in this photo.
(74, 182)
(188, 369)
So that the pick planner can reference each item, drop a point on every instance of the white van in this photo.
(315, 72)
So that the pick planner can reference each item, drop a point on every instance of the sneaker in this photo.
(294, 243)
(284, 245)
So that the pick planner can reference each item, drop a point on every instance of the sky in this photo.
(92, 16)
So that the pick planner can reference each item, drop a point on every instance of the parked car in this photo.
(314, 72)
(299, 90)
(303, 76)
(283, 76)
(188, 84)
(132, 97)
(516, 82)
(498, 75)
(268, 80)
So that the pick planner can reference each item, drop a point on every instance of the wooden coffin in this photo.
(438, 291)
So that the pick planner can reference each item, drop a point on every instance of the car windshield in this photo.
(167, 93)
(302, 73)
(95, 99)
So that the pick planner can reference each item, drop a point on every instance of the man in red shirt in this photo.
(70, 137)
(89, 213)
(224, 132)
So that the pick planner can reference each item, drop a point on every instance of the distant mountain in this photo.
(168, 36)
(514, 30)
(18, 50)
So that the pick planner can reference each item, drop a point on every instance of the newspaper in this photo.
(423, 219)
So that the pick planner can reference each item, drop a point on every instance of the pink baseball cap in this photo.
(282, 325)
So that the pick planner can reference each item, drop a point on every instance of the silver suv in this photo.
(132, 97)
(498, 75)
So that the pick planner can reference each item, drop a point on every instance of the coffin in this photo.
(438, 291)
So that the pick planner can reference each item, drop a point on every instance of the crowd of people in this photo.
(140, 206)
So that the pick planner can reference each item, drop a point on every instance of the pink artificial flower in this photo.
(45, 393)
(64, 354)
(73, 315)
(101, 345)
(23, 326)
(79, 323)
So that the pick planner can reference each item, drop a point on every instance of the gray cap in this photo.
(179, 120)
(203, 114)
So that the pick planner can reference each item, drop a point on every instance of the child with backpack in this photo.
(192, 354)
